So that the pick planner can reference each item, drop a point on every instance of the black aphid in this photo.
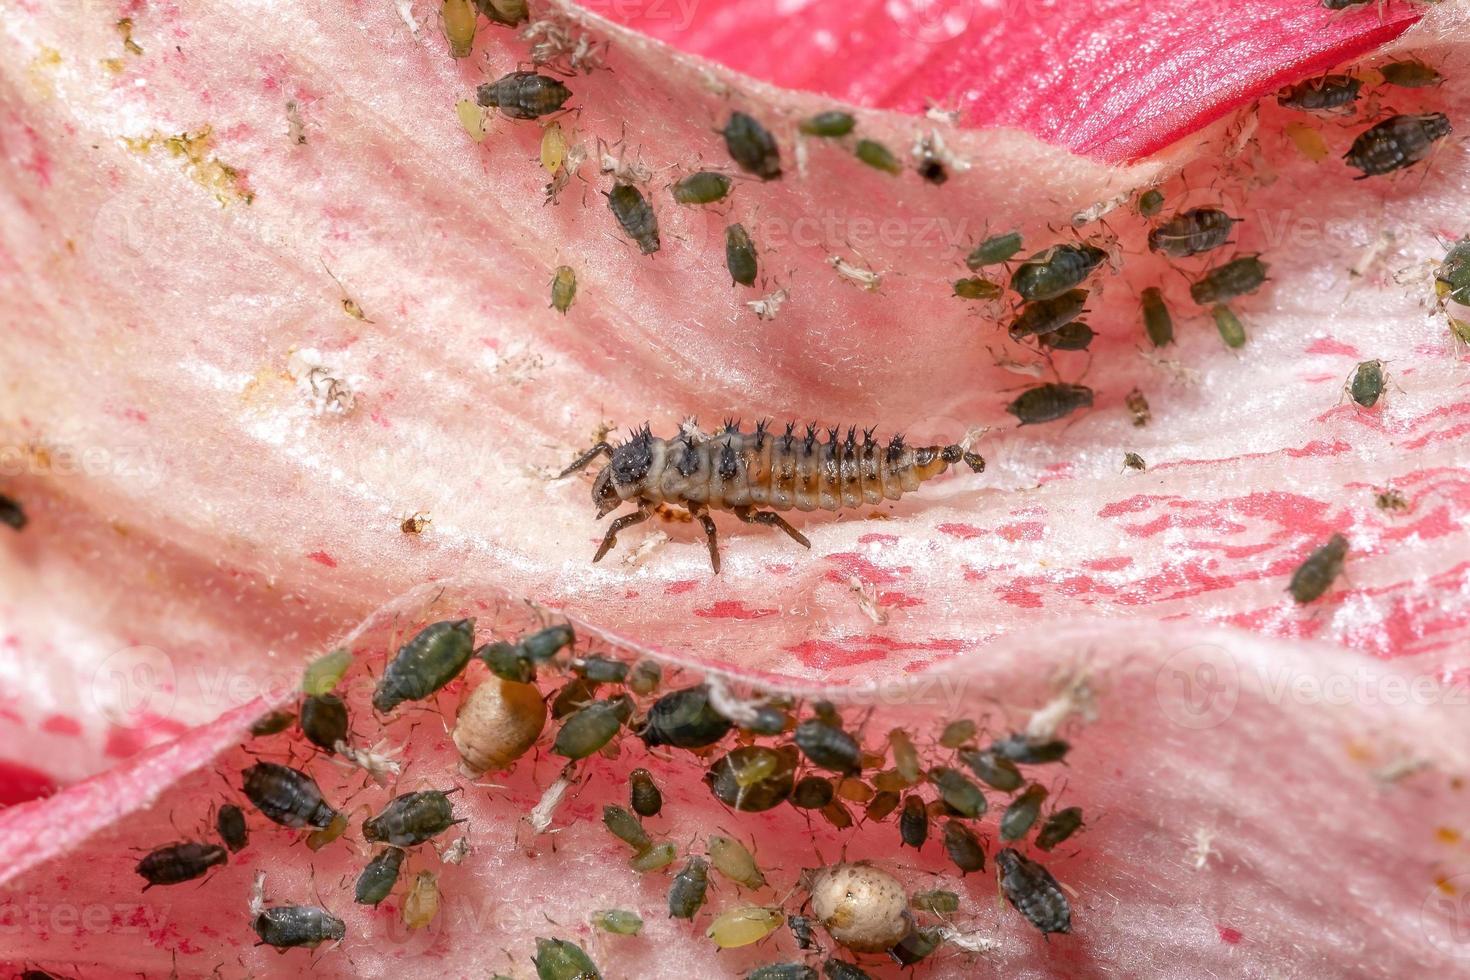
(523, 95)
(546, 643)
(1410, 73)
(601, 670)
(635, 216)
(377, 879)
(686, 894)
(1033, 892)
(740, 258)
(963, 847)
(273, 723)
(229, 823)
(1315, 94)
(574, 695)
(180, 862)
(1049, 402)
(644, 794)
(1030, 751)
(801, 931)
(1235, 278)
(754, 778)
(1191, 232)
(423, 665)
(1045, 315)
(994, 770)
(918, 944)
(324, 720)
(12, 515)
(292, 926)
(1316, 575)
(411, 819)
(1051, 273)
(828, 746)
(287, 796)
(913, 823)
(1452, 278)
(812, 793)
(752, 146)
(684, 719)
(1073, 336)
(782, 971)
(843, 970)
(1397, 142)
(1058, 827)
(1365, 386)
(767, 719)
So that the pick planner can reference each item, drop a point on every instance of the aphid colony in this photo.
(773, 753)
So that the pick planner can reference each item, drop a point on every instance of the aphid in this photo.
(740, 257)
(601, 670)
(658, 856)
(1049, 402)
(782, 971)
(589, 728)
(1049, 274)
(702, 187)
(812, 793)
(180, 862)
(741, 471)
(1058, 827)
(957, 733)
(1045, 315)
(976, 287)
(1191, 232)
(553, 148)
(287, 796)
(619, 922)
(320, 838)
(635, 216)
(828, 746)
(731, 859)
(1452, 278)
(1315, 94)
(644, 794)
(828, 125)
(752, 146)
(523, 95)
(837, 814)
(378, 878)
(913, 823)
(767, 719)
(411, 819)
(958, 792)
(1343, 4)
(435, 656)
(1157, 322)
(881, 806)
(684, 719)
(963, 847)
(293, 926)
(878, 156)
(229, 823)
(918, 944)
(905, 756)
(937, 902)
(459, 20)
(1033, 892)
(777, 769)
(744, 925)
(1076, 335)
(563, 288)
(1016, 822)
(994, 770)
(1308, 141)
(801, 931)
(1316, 575)
(562, 959)
(645, 677)
(422, 902)
(686, 894)
(1395, 143)
(497, 724)
(854, 790)
(12, 515)
(1030, 751)
(994, 250)
(1390, 499)
(842, 970)
(1410, 73)
(1150, 202)
(1232, 331)
(625, 827)
(544, 644)
(323, 720)
(1235, 278)
(1365, 385)
(324, 673)
(860, 906)
(1138, 407)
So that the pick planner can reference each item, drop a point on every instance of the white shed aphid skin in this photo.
(969, 941)
(866, 594)
(383, 767)
(257, 894)
(864, 278)
(769, 305)
(1074, 696)
(542, 813)
(457, 851)
(1201, 851)
(645, 548)
(1090, 214)
(572, 160)
(744, 712)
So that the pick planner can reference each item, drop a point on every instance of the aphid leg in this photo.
(627, 520)
(771, 519)
(598, 450)
(708, 524)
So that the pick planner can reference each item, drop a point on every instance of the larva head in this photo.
(630, 463)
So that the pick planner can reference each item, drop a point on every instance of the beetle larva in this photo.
(744, 471)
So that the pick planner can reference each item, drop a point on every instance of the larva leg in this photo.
(600, 449)
(771, 519)
(627, 520)
(708, 524)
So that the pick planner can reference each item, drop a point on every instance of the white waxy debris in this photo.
(383, 767)
(645, 548)
(1074, 696)
(328, 389)
(970, 942)
(768, 306)
(866, 594)
(741, 711)
(866, 278)
(542, 813)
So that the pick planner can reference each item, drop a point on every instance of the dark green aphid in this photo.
(1150, 202)
(1366, 384)
(829, 124)
(881, 805)
(913, 823)
(411, 819)
(1076, 335)
(1046, 315)
(829, 747)
(1192, 232)
(1397, 142)
(1343, 4)
(936, 902)
(635, 216)
(645, 677)
(544, 644)
(842, 970)
(625, 827)
(1058, 827)
(12, 515)
(994, 250)
(426, 663)
(801, 931)
(994, 770)
(589, 728)
(287, 796)
(963, 847)
(1049, 402)
(783, 971)
(273, 723)
(1030, 751)
(976, 288)
(523, 95)
(229, 823)
(644, 793)
(754, 778)
(601, 670)
(1316, 575)
(1157, 322)
(297, 926)
(1033, 892)
(826, 712)
(768, 720)
(174, 864)
(812, 793)
(684, 719)
(957, 733)
(701, 187)
(1315, 94)
(1452, 279)
(878, 156)
(1051, 273)
(377, 879)
(752, 146)
(574, 695)
(962, 795)
(740, 257)
(563, 288)
(1410, 73)
(918, 944)
(324, 721)
(507, 661)
(1235, 278)
(561, 959)
(1016, 822)
(1133, 461)
(686, 894)
(1232, 331)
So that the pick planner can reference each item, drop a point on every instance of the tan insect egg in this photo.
(863, 908)
(497, 724)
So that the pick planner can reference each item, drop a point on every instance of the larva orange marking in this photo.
(744, 471)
